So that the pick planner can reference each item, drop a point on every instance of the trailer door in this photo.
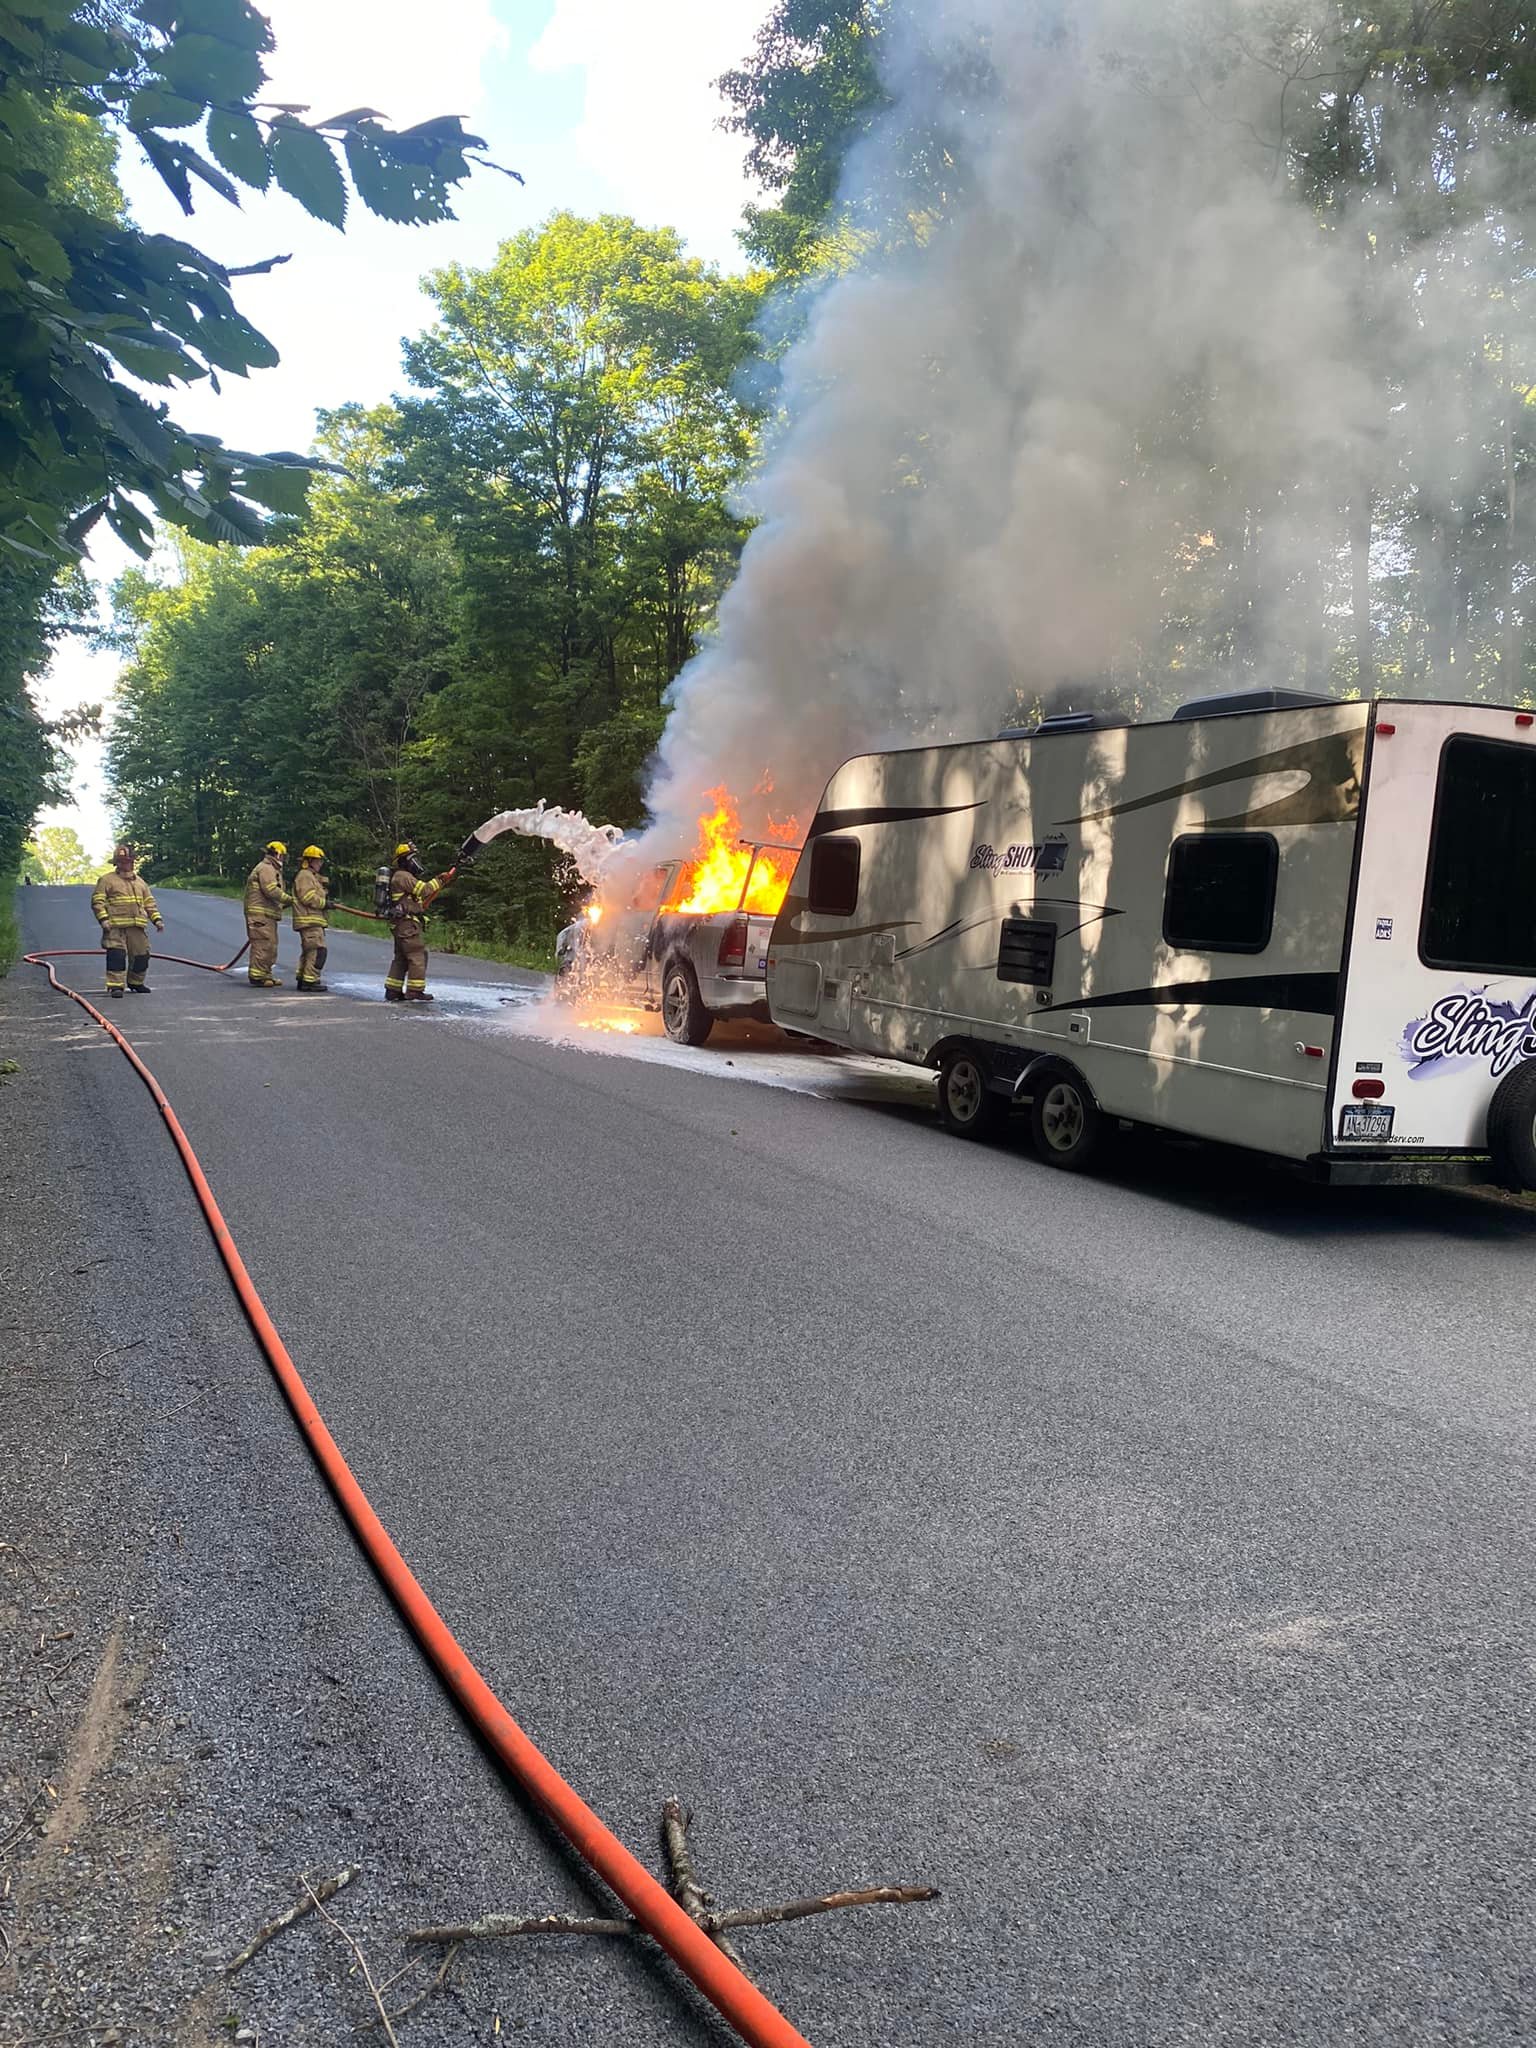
(1439, 994)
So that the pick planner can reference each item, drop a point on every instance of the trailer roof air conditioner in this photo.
(1066, 721)
(1234, 701)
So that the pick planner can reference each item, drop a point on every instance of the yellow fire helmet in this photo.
(274, 846)
(406, 846)
(313, 853)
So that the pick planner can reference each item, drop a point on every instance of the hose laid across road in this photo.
(735, 1996)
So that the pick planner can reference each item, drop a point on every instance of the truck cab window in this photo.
(1220, 895)
(834, 883)
(1480, 895)
(650, 888)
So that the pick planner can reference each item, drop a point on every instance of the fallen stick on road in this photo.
(832, 1902)
(686, 1889)
(362, 1962)
(690, 1895)
(402, 2012)
(496, 1925)
(314, 1896)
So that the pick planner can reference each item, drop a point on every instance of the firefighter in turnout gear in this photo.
(124, 906)
(410, 897)
(309, 898)
(265, 901)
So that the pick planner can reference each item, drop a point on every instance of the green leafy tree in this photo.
(59, 855)
(280, 689)
(810, 88)
(87, 300)
(488, 592)
(95, 315)
(580, 439)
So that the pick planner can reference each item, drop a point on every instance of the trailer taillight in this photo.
(733, 944)
(1369, 1091)
(1385, 732)
(1524, 718)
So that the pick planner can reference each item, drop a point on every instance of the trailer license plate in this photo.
(1366, 1123)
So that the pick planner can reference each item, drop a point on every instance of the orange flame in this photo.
(721, 868)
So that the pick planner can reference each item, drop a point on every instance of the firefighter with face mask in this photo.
(310, 891)
(265, 901)
(124, 907)
(410, 897)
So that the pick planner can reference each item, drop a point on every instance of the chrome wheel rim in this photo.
(674, 1004)
(1062, 1117)
(965, 1091)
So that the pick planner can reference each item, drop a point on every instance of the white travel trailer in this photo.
(1300, 926)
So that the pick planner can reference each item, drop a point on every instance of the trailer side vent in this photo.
(1026, 951)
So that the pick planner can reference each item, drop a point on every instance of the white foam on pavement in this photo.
(736, 1052)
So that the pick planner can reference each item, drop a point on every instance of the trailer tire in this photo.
(967, 1104)
(1512, 1128)
(1065, 1122)
(683, 1014)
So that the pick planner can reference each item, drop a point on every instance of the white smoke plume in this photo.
(1116, 336)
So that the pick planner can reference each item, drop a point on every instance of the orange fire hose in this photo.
(735, 1996)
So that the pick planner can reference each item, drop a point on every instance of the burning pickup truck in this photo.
(690, 939)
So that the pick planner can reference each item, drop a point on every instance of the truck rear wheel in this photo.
(1065, 1122)
(683, 1013)
(1512, 1128)
(967, 1103)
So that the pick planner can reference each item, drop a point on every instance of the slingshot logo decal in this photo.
(1465, 1028)
(1046, 857)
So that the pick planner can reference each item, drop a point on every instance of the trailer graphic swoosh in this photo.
(1315, 994)
(1039, 906)
(877, 814)
(786, 933)
(1330, 795)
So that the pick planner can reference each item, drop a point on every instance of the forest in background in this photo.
(496, 576)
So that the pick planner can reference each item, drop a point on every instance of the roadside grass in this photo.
(10, 930)
(443, 942)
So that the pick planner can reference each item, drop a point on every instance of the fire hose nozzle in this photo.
(470, 851)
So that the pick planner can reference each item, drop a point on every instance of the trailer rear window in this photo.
(1480, 897)
(1221, 892)
(834, 883)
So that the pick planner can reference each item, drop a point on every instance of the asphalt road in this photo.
(1145, 1560)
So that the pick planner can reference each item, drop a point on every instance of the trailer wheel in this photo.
(1065, 1122)
(683, 1013)
(1512, 1127)
(967, 1104)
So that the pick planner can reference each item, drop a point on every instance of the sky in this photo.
(602, 105)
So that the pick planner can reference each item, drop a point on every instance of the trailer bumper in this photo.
(1402, 1170)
